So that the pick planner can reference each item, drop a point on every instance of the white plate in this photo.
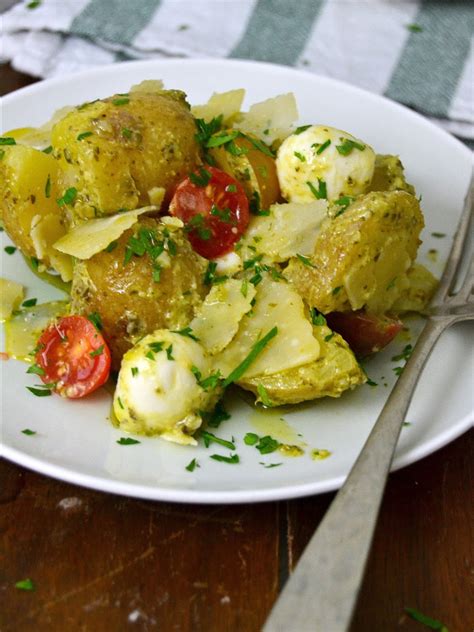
(74, 440)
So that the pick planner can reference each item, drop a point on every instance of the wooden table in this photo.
(107, 563)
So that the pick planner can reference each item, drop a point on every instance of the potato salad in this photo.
(204, 246)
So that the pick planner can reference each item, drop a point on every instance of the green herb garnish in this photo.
(96, 320)
(267, 444)
(48, 149)
(127, 133)
(10, 250)
(404, 355)
(34, 4)
(97, 352)
(169, 352)
(187, 332)
(28, 432)
(7, 140)
(347, 145)
(217, 416)
(305, 260)
(83, 135)
(256, 350)
(35, 369)
(156, 347)
(433, 624)
(414, 28)
(438, 235)
(251, 438)
(202, 179)
(336, 290)
(134, 371)
(209, 438)
(329, 337)
(47, 187)
(300, 156)
(316, 317)
(122, 101)
(111, 246)
(127, 441)
(31, 302)
(320, 147)
(68, 197)
(301, 129)
(319, 193)
(343, 202)
(40, 391)
(262, 392)
(192, 465)
(231, 188)
(269, 465)
(233, 458)
(25, 584)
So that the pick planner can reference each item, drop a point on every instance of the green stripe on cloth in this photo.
(277, 31)
(117, 21)
(429, 68)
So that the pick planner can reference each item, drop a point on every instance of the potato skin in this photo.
(335, 371)
(361, 257)
(131, 304)
(389, 175)
(128, 145)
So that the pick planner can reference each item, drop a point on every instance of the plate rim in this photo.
(197, 496)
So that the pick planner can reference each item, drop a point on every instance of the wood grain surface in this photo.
(107, 563)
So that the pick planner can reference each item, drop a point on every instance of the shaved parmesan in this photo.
(44, 232)
(94, 235)
(289, 230)
(11, 295)
(219, 316)
(148, 85)
(226, 103)
(277, 304)
(272, 119)
(24, 328)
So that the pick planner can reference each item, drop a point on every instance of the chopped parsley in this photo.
(404, 355)
(209, 438)
(47, 187)
(134, 371)
(10, 250)
(28, 432)
(267, 444)
(206, 130)
(347, 145)
(147, 242)
(329, 337)
(299, 130)
(438, 235)
(47, 150)
(370, 382)
(31, 302)
(127, 133)
(233, 458)
(7, 140)
(25, 584)
(156, 347)
(343, 202)
(300, 156)
(223, 215)
(40, 390)
(305, 260)
(336, 290)
(120, 403)
(121, 101)
(262, 392)
(96, 320)
(111, 246)
(231, 188)
(2, 153)
(244, 288)
(211, 382)
(83, 135)
(319, 193)
(127, 441)
(398, 370)
(414, 28)
(217, 416)
(210, 276)
(316, 317)
(433, 624)
(169, 352)
(35, 369)
(192, 465)
(251, 438)
(255, 207)
(222, 138)
(68, 197)
(34, 263)
(320, 147)
(269, 465)
(187, 332)
(255, 351)
(97, 352)
(202, 179)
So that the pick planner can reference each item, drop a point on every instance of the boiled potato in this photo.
(389, 175)
(29, 210)
(421, 288)
(254, 169)
(117, 150)
(361, 257)
(129, 300)
(333, 372)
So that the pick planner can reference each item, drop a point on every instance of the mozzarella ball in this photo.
(158, 390)
(333, 162)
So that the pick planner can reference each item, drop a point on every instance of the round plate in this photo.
(75, 441)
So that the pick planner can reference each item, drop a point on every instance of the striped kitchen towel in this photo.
(419, 52)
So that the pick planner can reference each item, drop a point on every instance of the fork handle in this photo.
(321, 594)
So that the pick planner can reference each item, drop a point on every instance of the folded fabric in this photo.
(420, 53)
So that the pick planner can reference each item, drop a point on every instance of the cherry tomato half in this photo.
(73, 356)
(214, 209)
(364, 333)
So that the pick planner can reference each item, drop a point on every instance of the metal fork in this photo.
(321, 594)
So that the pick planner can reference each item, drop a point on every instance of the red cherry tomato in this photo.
(214, 209)
(364, 333)
(73, 356)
